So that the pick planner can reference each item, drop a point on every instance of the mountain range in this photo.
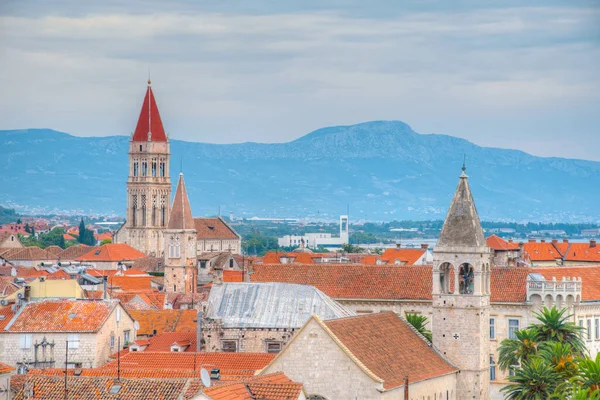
(381, 170)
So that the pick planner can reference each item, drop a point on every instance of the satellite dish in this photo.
(205, 377)
(136, 325)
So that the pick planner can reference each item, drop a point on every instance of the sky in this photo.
(511, 74)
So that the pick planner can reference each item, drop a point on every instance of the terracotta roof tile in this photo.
(407, 256)
(590, 278)
(112, 252)
(130, 283)
(63, 316)
(29, 253)
(99, 388)
(541, 251)
(582, 252)
(5, 368)
(233, 276)
(164, 321)
(389, 348)
(509, 284)
(54, 249)
(214, 228)
(71, 253)
(6, 314)
(499, 244)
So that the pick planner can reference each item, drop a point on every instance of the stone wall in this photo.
(248, 340)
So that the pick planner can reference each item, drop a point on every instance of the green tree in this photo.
(535, 380)
(561, 357)
(61, 242)
(589, 373)
(419, 322)
(19, 221)
(105, 241)
(516, 351)
(350, 248)
(554, 326)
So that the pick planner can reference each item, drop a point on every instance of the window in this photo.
(112, 340)
(273, 347)
(513, 327)
(25, 341)
(136, 169)
(589, 329)
(126, 336)
(73, 340)
(492, 369)
(175, 288)
(597, 328)
(492, 328)
(229, 346)
(202, 264)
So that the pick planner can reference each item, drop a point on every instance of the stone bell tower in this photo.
(461, 295)
(181, 270)
(148, 184)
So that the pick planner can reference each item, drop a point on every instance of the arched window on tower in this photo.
(134, 210)
(143, 210)
(163, 211)
(162, 169)
(466, 279)
(174, 247)
(153, 221)
(144, 168)
(154, 167)
(446, 278)
(136, 168)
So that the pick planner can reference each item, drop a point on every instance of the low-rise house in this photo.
(70, 254)
(9, 240)
(30, 256)
(405, 256)
(262, 317)
(377, 356)
(541, 254)
(111, 256)
(42, 288)
(506, 253)
(211, 263)
(38, 334)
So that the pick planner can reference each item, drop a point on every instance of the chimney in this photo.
(424, 246)
(542, 240)
(104, 279)
(398, 245)
(565, 240)
(531, 240)
(592, 243)
(199, 316)
(554, 241)
(510, 240)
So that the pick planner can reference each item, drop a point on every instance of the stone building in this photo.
(262, 317)
(365, 357)
(181, 270)
(149, 193)
(37, 335)
(515, 291)
(149, 182)
(9, 240)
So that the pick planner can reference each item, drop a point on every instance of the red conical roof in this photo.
(149, 121)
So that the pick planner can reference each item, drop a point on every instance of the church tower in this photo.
(181, 273)
(461, 295)
(149, 182)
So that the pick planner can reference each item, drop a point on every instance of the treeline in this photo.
(8, 215)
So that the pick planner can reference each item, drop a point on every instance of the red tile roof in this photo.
(499, 244)
(5, 368)
(383, 281)
(581, 252)
(63, 316)
(276, 386)
(71, 253)
(99, 388)
(112, 252)
(30, 253)
(103, 236)
(232, 363)
(149, 121)
(214, 228)
(164, 321)
(130, 283)
(538, 251)
(389, 348)
(66, 236)
(6, 314)
(233, 276)
(7, 286)
(407, 256)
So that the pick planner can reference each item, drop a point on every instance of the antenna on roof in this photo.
(464, 167)
(205, 377)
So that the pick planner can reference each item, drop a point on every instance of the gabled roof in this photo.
(389, 348)
(214, 228)
(497, 243)
(582, 252)
(275, 386)
(71, 253)
(541, 251)
(149, 126)
(63, 316)
(273, 305)
(29, 253)
(181, 213)
(407, 256)
(54, 249)
(112, 252)
(101, 388)
(462, 227)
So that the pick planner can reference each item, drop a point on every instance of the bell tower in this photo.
(181, 270)
(149, 182)
(461, 294)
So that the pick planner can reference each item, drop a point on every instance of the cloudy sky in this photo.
(508, 74)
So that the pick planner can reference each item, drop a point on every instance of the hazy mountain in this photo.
(383, 170)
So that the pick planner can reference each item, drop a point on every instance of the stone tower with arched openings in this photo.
(148, 184)
(461, 294)
(181, 272)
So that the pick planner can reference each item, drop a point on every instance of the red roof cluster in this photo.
(164, 321)
(112, 252)
(497, 243)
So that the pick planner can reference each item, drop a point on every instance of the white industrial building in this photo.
(319, 239)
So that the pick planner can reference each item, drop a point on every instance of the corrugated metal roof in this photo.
(270, 305)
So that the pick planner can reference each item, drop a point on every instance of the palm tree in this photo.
(575, 392)
(554, 326)
(418, 322)
(535, 380)
(559, 356)
(515, 351)
(589, 373)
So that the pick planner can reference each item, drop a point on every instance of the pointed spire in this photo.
(149, 126)
(181, 212)
(462, 227)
